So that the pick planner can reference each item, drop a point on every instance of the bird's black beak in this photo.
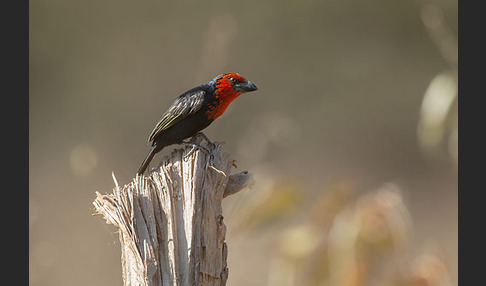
(247, 86)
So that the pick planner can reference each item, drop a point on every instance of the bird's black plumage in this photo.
(195, 110)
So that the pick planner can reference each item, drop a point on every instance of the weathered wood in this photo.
(238, 182)
(171, 223)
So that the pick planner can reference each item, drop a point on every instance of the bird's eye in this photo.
(233, 79)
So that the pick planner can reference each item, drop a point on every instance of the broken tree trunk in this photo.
(171, 223)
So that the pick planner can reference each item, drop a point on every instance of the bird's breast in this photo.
(219, 105)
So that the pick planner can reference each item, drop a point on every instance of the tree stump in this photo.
(170, 223)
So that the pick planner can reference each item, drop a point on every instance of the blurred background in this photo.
(351, 137)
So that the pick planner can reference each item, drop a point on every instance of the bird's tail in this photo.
(147, 160)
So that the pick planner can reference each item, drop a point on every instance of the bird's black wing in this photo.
(186, 104)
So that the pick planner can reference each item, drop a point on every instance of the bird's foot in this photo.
(200, 133)
(194, 147)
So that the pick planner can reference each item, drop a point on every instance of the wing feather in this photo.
(183, 106)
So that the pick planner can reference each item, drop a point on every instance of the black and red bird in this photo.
(194, 110)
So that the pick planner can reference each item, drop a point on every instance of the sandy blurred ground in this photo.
(341, 86)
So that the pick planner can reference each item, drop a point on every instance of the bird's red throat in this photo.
(225, 94)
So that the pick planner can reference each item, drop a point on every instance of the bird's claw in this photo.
(213, 145)
(194, 146)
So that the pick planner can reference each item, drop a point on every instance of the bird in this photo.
(194, 110)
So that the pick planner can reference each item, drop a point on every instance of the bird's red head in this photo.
(228, 87)
(230, 83)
